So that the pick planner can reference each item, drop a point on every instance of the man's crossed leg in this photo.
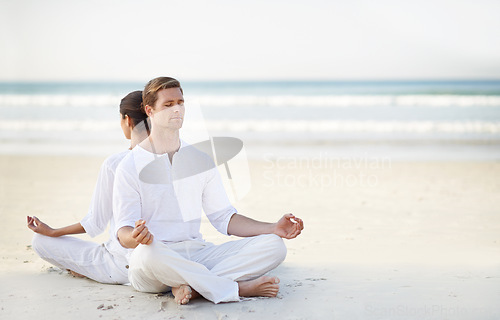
(219, 273)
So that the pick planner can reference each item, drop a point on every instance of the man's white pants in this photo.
(212, 270)
(88, 258)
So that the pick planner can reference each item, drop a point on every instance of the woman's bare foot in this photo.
(184, 294)
(260, 287)
(76, 274)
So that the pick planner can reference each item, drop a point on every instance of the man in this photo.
(159, 192)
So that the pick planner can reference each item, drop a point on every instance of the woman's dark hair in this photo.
(131, 105)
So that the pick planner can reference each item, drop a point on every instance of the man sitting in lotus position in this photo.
(160, 190)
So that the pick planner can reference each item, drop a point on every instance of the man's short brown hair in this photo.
(150, 92)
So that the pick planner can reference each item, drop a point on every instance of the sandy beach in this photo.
(375, 122)
(382, 240)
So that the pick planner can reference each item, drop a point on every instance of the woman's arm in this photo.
(100, 211)
(38, 226)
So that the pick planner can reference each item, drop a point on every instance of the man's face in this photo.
(169, 109)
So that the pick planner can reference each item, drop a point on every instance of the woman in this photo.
(107, 262)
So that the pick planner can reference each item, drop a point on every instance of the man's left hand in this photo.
(289, 226)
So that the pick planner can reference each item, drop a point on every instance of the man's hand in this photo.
(141, 233)
(289, 226)
(39, 227)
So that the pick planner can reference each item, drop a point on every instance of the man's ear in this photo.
(148, 110)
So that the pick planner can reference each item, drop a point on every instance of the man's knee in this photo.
(276, 246)
(148, 255)
(143, 254)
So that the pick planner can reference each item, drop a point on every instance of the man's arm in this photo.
(40, 227)
(218, 210)
(131, 237)
(287, 227)
(242, 226)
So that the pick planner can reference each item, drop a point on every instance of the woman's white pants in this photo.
(212, 270)
(88, 258)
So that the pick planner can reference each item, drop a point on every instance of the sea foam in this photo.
(60, 100)
(228, 126)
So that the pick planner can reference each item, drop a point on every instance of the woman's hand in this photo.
(39, 227)
(289, 226)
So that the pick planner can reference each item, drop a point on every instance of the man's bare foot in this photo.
(76, 274)
(260, 287)
(184, 294)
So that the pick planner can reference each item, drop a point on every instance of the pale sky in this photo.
(59, 40)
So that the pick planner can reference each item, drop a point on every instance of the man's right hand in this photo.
(141, 233)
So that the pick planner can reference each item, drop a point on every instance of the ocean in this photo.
(398, 120)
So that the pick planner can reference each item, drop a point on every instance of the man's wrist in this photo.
(272, 227)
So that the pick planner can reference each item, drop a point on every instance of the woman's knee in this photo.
(40, 244)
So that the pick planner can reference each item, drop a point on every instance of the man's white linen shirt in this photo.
(170, 197)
